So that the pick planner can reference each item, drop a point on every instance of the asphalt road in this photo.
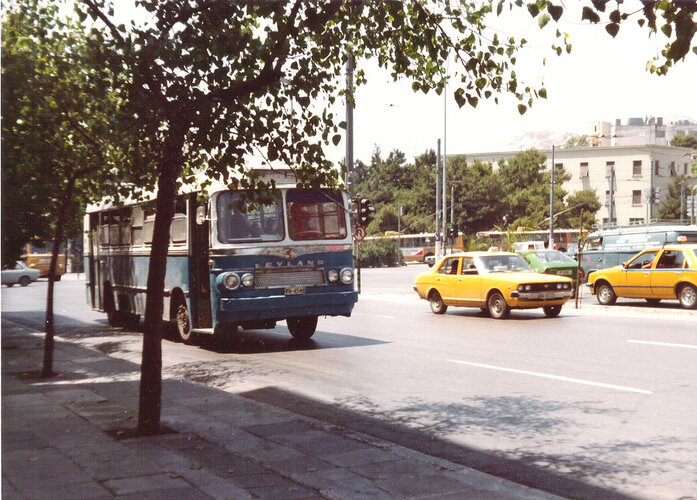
(596, 402)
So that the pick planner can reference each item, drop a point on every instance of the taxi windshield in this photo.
(504, 263)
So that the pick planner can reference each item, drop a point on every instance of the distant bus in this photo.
(564, 239)
(612, 247)
(38, 256)
(230, 264)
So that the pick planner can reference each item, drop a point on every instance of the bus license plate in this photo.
(295, 290)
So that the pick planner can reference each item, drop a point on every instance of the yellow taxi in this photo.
(494, 281)
(654, 274)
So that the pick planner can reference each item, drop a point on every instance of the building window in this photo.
(636, 197)
(660, 134)
(636, 167)
(609, 167)
(607, 197)
(673, 172)
(636, 221)
(656, 167)
(584, 169)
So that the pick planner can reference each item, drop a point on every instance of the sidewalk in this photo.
(70, 437)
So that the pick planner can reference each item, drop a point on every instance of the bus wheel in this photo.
(113, 316)
(605, 294)
(552, 311)
(302, 327)
(498, 308)
(184, 323)
(687, 295)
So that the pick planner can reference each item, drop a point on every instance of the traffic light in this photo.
(453, 232)
(365, 211)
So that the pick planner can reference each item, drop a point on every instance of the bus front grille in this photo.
(287, 277)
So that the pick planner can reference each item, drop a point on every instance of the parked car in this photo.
(496, 282)
(19, 273)
(654, 274)
(553, 262)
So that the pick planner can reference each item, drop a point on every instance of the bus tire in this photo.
(113, 316)
(605, 294)
(183, 322)
(687, 295)
(302, 327)
(498, 307)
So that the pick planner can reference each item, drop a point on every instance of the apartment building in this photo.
(638, 131)
(626, 174)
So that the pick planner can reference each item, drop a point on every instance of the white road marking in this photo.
(553, 377)
(664, 344)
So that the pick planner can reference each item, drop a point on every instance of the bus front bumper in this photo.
(279, 307)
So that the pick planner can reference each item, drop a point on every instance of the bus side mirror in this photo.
(201, 215)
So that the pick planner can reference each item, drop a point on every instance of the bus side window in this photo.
(177, 229)
(137, 219)
(125, 226)
(148, 225)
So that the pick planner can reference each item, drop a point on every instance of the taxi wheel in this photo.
(437, 304)
(498, 308)
(606, 295)
(687, 295)
(552, 311)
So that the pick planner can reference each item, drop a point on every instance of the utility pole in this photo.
(349, 120)
(438, 213)
(683, 202)
(551, 206)
(445, 156)
(612, 195)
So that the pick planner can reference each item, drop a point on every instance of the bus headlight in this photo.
(346, 275)
(333, 276)
(248, 279)
(231, 281)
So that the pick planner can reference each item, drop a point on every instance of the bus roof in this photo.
(658, 228)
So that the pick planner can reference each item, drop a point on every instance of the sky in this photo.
(601, 80)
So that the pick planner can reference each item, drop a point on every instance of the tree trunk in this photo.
(47, 369)
(150, 400)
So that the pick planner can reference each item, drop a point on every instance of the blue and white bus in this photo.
(291, 259)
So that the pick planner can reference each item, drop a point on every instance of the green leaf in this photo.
(543, 20)
(542, 93)
(522, 108)
(415, 86)
(336, 139)
(533, 9)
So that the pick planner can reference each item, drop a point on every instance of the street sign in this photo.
(360, 233)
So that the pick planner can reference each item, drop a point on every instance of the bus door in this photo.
(200, 290)
(93, 262)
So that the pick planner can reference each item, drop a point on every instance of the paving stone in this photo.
(167, 494)
(71, 491)
(341, 483)
(44, 468)
(358, 457)
(146, 483)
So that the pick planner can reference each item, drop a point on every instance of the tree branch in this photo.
(97, 12)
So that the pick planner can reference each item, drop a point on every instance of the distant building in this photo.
(638, 131)
(638, 171)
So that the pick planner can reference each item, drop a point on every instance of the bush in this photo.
(380, 253)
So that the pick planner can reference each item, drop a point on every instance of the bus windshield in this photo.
(315, 215)
(263, 223)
